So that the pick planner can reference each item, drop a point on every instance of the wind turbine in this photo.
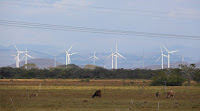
(94, 57)
(143, 57)
(169, 52)
(182, 58)
(55, 61)
(116, 54)
(17, 56)
(26, 56)
(161, 57)
(68, 61)
(111, 55)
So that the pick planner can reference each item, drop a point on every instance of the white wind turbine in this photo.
(55, 61)
(116, 54)
(68, 61)
(161, 57)
(17, 56)
(143, 57)
(26, 56)
(182, 59)
(169, 52)
(94, 57)
(112, 56)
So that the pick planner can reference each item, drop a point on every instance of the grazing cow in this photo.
(97, 93)
(157, 94)
(170, 94)
(33, 95)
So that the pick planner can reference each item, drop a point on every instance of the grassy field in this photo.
(76, 95)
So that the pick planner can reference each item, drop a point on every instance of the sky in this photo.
(176, 17)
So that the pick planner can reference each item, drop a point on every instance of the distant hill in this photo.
(198, 64)
(41, 63)
(172, 65)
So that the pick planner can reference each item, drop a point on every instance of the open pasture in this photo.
(62, 95)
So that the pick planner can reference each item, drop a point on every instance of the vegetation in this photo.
(168, 77)
(188, 72)
(74, 72)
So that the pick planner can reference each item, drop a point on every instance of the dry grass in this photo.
(62, 97)
(74, 82)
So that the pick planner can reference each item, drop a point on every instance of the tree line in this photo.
(160, 77)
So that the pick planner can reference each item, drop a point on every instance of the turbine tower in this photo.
(55, 61)
(68, 61)
(94, 57)
(116, 54)
(17, 56)
(143, 57)
(112, 56)
(182, 59)
(169, 52)
(26, 56)
(161, 57)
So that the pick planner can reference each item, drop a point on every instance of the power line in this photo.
(107, 10)
(119, 9)
(93, 30)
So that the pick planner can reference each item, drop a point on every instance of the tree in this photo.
(167, 78)
(30, 66)
(188, 72)
(197, 75)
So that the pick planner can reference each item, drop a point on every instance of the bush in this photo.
(169, 79)
(132, 82)
(85, 80)
(197, 76)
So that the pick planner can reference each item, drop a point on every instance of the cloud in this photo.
(37, 7)
(187, 13)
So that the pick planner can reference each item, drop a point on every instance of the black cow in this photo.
(157, 94)
(97, 93)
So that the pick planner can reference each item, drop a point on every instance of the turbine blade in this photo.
(22, 51)
(158, 59)
(161, 50)
(25, 48)
(120, 55)
(165, 48)
(30, 56)
(61, 50)
(173, 51)
(91, 57)
(94, 52)
(116, 46)
(70, 48)
(109, 56)
(73, 53)
(164, 55)
(22, 58)
(96, 58)
(140, 58)
(15, 47)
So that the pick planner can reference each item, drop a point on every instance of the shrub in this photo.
(169, 79)
(85, 80)
(132, 82)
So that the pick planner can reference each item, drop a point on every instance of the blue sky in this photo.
(180, 17)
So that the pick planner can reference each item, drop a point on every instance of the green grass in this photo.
(114, 98)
